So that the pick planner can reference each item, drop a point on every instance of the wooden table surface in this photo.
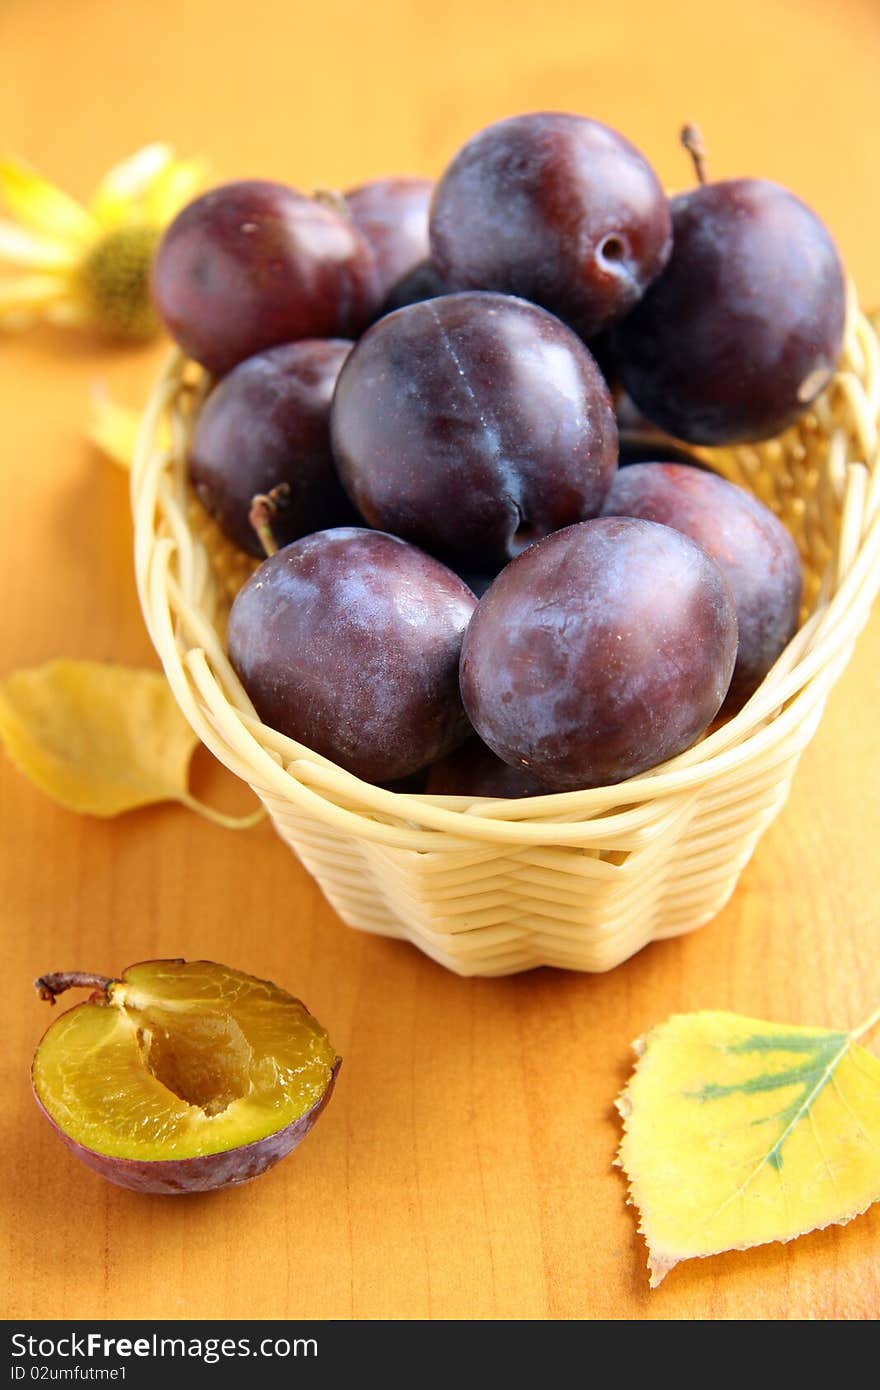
(463, 1169)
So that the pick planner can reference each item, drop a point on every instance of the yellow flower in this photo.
(89, 265)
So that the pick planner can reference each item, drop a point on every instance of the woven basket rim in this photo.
(212, 698)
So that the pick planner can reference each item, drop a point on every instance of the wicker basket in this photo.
(580, 880)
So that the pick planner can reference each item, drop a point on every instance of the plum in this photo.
(392, 214)
(556, 208)
(267, 426)
(471, 425)
(253, 264)
(181, 1076)
(474, 770)
(744, 327)
(645, 448)
(477, 583)
(600, 652)
(641, 441)
(421, 283)
(349, 642)
(750, 546)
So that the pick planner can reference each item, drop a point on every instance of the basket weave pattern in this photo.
(583, 879)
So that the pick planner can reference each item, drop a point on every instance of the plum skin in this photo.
(174, 1177)
(745, 326)
(209, 1171)
(474, 770)
(556, 208)
(471, 425)
(348, 641)
(392, 214)
(751, 547)
(600, 652)
(253, 264)
(267, 423)
(419, 284)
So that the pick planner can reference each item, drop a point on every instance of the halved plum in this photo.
(182, 1076)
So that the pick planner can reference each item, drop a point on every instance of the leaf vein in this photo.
(814, 1130)
(807, 1101)
(853, 1116)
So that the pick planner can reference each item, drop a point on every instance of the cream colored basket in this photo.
(580, 880)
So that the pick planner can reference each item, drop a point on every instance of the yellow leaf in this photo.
(114, 429)
(99, 739)
(102, 739)
(738, 1132)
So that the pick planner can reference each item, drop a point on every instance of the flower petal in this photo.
(174, 187)
(24, 298)
(123, 187)
(41, 206)
(71, 313)
(21, 247)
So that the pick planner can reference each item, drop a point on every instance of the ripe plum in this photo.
(392, 214)
(556, 208)
(750, 546)
(600, 652)
(349, 642)
(472, 425)
(267, 425)
(474, 770)
(744, 327)
(252, 264)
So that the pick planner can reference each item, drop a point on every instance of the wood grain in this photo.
(463, 1167)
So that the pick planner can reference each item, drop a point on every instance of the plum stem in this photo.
(329, 198)
(866, 1026)
(264, 508)
(246, 822)
(692, 140)
(56, 982)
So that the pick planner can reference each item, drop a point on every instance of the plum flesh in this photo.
(750, 546)
(600, 652)
(182, 1076)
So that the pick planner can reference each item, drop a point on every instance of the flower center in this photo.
(115, 282)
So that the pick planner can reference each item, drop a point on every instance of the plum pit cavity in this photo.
(206, 1061)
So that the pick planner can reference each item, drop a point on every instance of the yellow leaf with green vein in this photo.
(738, 1132)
